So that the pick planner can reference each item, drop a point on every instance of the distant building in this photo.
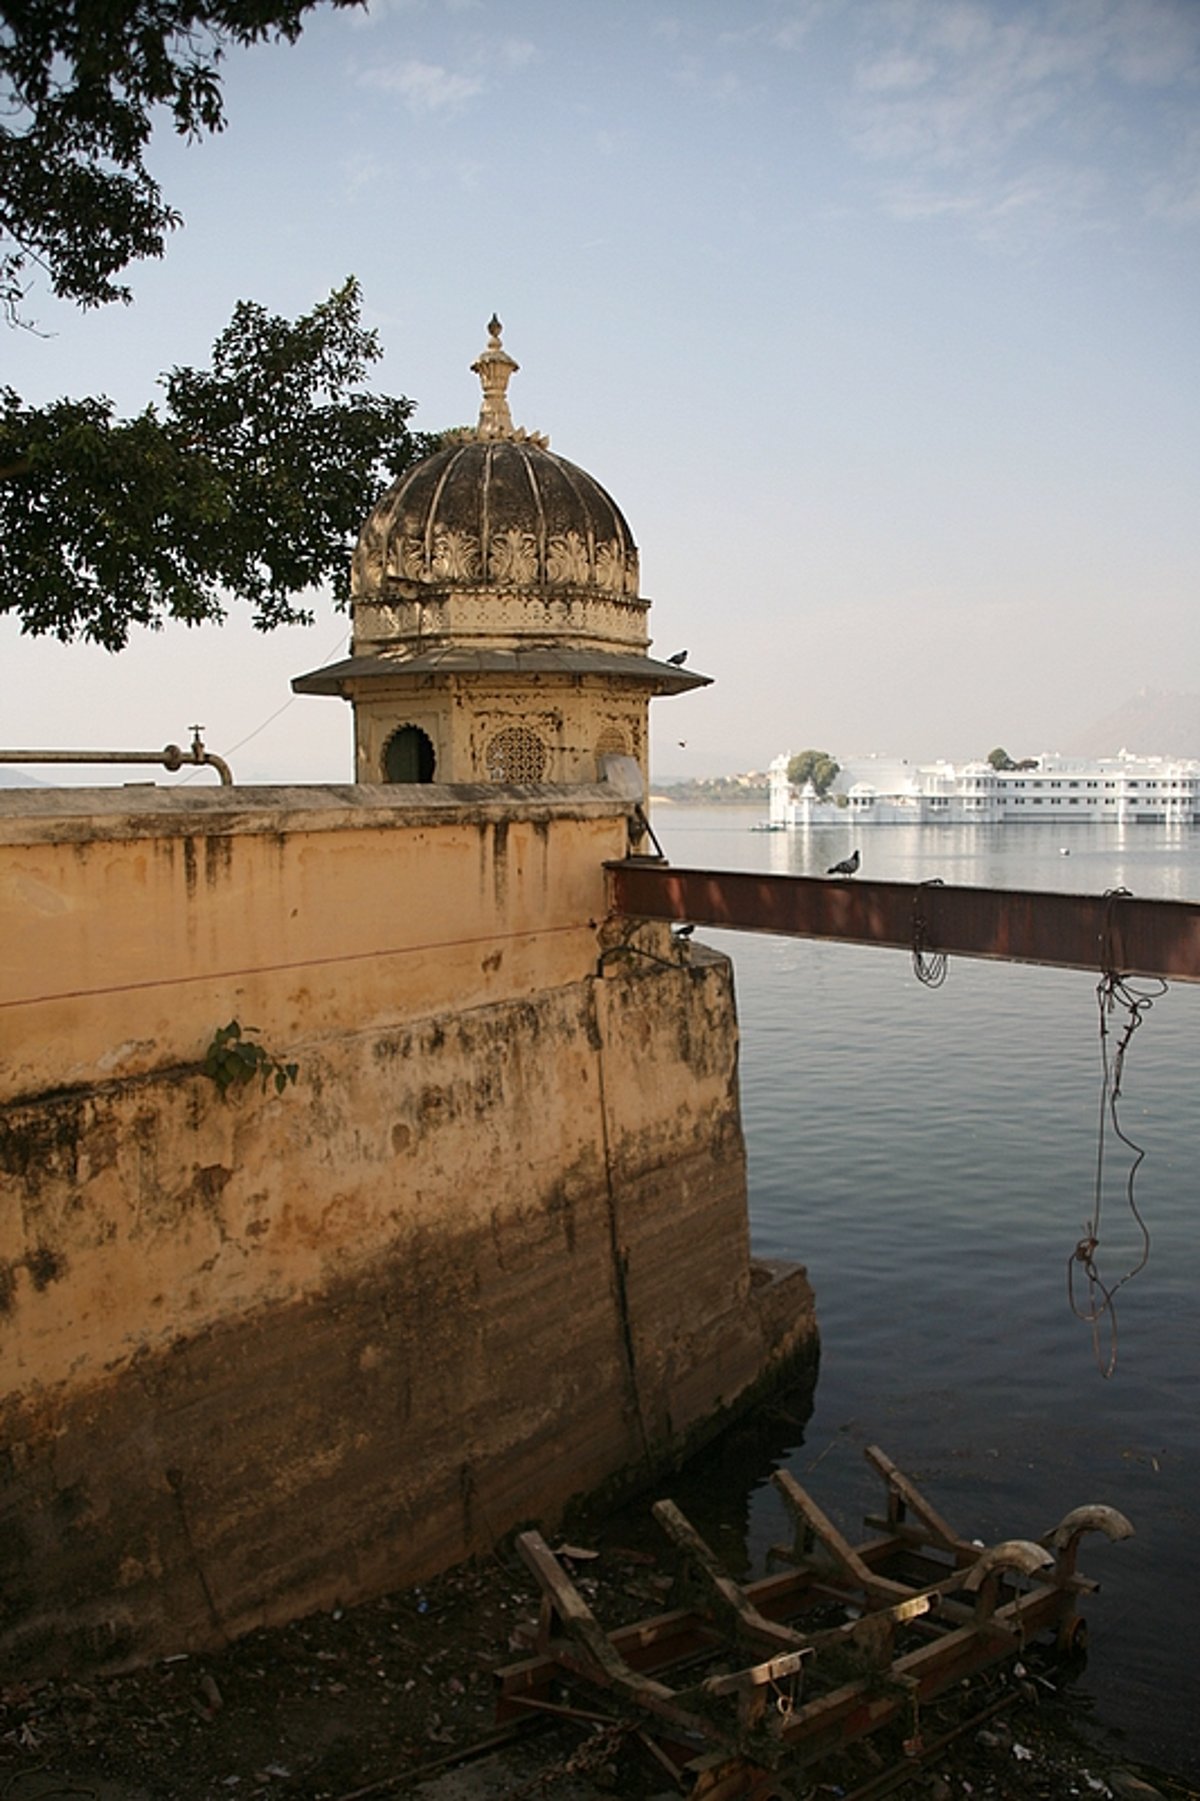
(1124, 789)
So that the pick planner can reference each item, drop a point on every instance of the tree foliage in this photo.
(250, 481)
(1000, 759)
(251, 478)
(81, 82)
(815, 766)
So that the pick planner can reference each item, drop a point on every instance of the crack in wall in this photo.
(618, 1256)
(175, 1484)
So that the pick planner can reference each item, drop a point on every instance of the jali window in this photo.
(515, 754)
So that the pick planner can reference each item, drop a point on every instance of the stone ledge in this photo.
(49, 815)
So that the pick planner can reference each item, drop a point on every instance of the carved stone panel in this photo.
(456, 557)
(567, 559)
(513, 558)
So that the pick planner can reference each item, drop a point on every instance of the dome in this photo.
(496, 512)
(496, 509)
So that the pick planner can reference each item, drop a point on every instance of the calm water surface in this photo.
(930, 1155)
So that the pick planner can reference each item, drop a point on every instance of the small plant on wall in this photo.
(235, 1057)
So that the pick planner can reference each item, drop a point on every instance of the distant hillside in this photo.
(707, 791)
(1148, 724)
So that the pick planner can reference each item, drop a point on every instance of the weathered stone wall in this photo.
(577, 721)
(270, 1351)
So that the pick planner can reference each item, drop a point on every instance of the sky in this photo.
(879, 319)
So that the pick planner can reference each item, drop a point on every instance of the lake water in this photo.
(930, 1155)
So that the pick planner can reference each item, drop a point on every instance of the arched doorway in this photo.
(409, 756)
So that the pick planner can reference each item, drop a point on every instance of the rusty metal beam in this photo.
(1060, 931)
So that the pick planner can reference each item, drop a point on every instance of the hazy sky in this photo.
(879, 318)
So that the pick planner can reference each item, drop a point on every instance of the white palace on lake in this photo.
(1124, 789)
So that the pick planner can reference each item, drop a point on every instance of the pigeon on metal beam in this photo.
(847, 866)
(679, 659)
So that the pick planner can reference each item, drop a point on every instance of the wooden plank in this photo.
(806, 1513)
(578, 1619)
(775, 1669)
(734, 1606)
(899, 1485)
(597, 1659)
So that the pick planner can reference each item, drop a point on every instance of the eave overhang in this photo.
(354, 674)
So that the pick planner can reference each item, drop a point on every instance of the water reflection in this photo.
(1160, 862)
(718, 1489)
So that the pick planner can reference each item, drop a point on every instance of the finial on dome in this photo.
(495, 369)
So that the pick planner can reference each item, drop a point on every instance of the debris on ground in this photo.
(385, 1699)
(398, 1696)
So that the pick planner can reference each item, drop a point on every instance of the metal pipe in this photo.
(1061, 931)
(171, 757)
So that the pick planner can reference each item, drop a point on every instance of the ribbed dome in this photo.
(505, 513)
(495, 509)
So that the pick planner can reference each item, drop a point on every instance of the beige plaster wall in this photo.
(269, 1352)
(130, 931)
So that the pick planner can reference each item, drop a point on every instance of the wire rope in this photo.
(929, 965)
(1097, 1308)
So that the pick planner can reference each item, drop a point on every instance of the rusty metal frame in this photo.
(1060, 931)
(924, 1609)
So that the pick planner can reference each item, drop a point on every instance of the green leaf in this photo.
(233, 1059)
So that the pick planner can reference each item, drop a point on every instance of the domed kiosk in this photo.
(499, 635)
